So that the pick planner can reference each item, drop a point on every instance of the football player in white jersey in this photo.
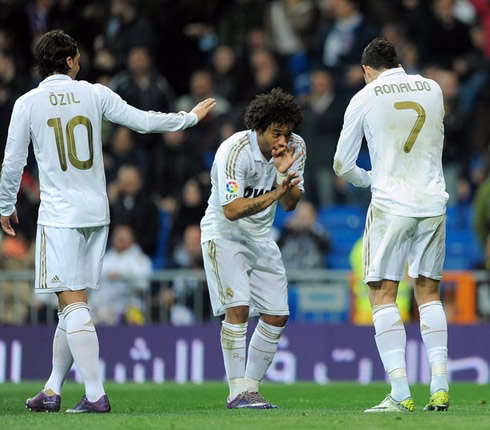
(62, 117)
(252, 171)
(401, 118)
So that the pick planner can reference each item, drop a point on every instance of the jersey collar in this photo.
(392, 72)
(57, 77)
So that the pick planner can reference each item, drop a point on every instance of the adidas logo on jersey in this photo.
(55, 280)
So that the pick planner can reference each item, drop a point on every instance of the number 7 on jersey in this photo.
(419, 122)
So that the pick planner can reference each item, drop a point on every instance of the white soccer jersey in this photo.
(63, 119)
(240, 170)
(401, 117)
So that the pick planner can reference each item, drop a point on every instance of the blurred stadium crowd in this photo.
(166, 55)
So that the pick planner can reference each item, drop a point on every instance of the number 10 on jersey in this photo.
(70, 142)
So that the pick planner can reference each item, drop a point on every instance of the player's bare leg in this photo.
(433, 328)
(391, 341)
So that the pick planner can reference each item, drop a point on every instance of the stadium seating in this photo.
(159, 259)
(281, 217)
(341, 216)
(344, 224)
(463, 252)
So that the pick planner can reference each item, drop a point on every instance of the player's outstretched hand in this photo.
(6, 226)
(202, 108)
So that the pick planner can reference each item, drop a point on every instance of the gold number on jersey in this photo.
(419, 122)
(70, 141)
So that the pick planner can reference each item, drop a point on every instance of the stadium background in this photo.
(166, 56)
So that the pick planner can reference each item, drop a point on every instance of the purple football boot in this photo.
(248, 400)
(258, 398)
(84, 406)
(44, 403)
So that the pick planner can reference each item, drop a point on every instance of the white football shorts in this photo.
(391, 241)
(69, 259)
(246, 273)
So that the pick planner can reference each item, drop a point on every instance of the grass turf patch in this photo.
(302, 406)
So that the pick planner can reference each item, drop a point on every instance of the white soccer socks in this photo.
(391, 341)
(433, 328)
(84, 346)
(62, 358)
(233, 345)
(261, 350)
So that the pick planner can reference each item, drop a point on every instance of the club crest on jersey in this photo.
(231, 190)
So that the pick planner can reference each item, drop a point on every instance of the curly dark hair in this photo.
(275, 107)
(51, 52)
(380, 54)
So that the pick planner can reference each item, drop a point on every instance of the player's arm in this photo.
(243, 207)
(14, 161)
(116, 110)
(349, 145)
(233, 165)
(290, 198)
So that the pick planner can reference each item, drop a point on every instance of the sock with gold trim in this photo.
(433, 328)
(84, 346)
(62, 358)
(261, 351)
(233, 346)
(391, 341)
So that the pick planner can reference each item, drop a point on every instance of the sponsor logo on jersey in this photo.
(255, 192)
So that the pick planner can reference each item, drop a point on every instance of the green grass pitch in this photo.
(302, 406)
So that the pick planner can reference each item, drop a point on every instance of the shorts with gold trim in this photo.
(390, 242)
(69, 259)
(246, 273)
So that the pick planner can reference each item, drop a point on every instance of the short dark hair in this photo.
(275, 107)
(51, 52)
(380, 54)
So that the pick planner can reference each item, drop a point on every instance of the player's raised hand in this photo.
(284, 157)
(6, 226)
(202, 108)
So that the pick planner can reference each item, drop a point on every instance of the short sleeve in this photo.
(232, 165)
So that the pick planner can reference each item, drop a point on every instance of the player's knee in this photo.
(426, 290)
(66, 298)
(237, 315)
(381, 294)
(275, 320)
